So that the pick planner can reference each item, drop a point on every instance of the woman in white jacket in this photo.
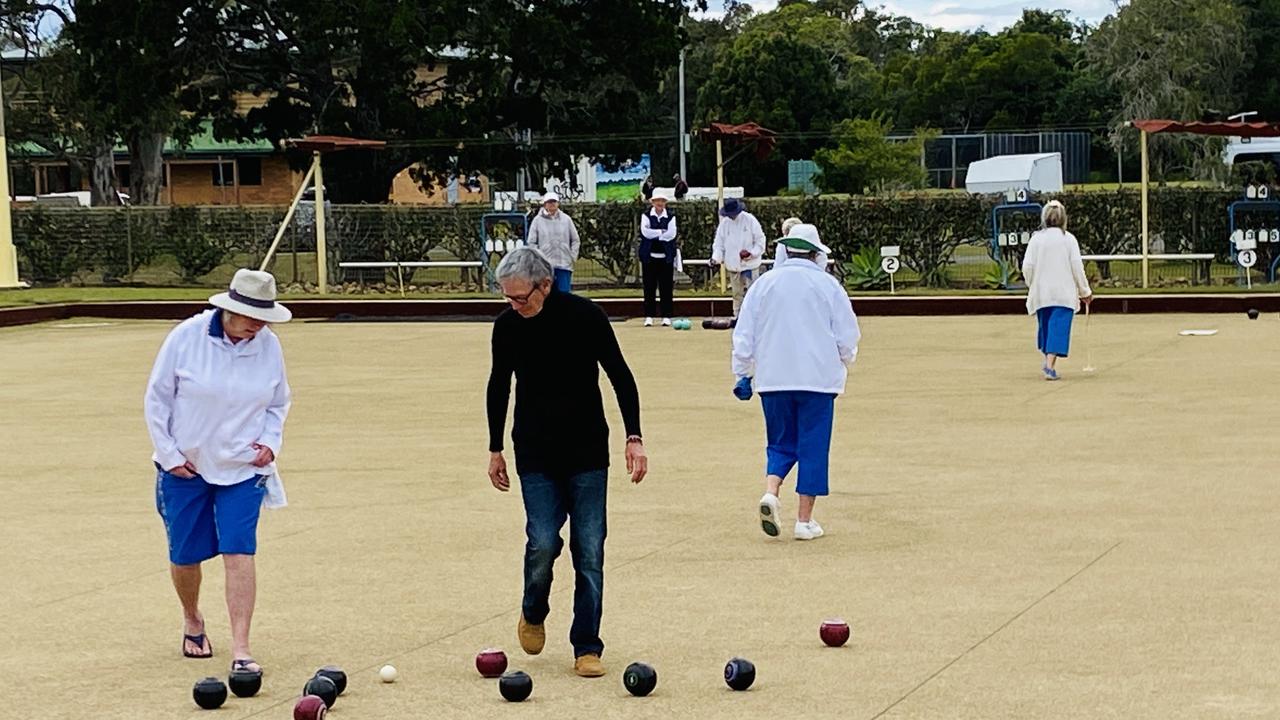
(795, 338)
(215, 406)
(1056, 285)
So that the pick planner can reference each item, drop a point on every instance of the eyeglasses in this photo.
(522, 299)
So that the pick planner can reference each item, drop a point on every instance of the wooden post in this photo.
(8, 253)
(284, 224)
(1146, 235)
(322, 259)
(720, 201)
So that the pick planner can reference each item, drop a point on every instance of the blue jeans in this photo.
(549, 500)
(564, 280)
(1054, 332)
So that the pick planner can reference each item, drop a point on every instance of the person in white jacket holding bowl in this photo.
(795, 338)
(739, 246)
(1056, 285)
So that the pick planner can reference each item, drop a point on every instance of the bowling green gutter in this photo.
(484, 308)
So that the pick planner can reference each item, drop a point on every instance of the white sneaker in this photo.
(808, 531)
(648, 322)
(770, 520)
(666, 322)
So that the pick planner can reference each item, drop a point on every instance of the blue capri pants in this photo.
(1054, 334)
(798, 428)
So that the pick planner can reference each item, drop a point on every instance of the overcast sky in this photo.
(972, 14)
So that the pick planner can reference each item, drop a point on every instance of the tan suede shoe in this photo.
(588, 666)
(532, 637)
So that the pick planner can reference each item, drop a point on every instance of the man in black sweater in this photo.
(555, 344)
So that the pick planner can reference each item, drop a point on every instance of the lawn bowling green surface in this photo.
(1003, 547)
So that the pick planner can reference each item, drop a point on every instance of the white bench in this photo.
(413, 265)
(765, 261)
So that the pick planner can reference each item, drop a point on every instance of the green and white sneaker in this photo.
(769, 517)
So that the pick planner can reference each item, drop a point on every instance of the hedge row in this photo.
(59, 244)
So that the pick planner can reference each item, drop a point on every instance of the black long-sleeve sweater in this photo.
(556, 358)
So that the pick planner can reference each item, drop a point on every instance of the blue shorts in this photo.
(798, 427)
(203, 520)
(1053, 335)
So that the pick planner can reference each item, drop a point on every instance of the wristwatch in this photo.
(635, 439)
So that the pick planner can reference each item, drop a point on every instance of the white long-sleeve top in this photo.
(653, 233)
(734, 235)
(796, 331)
(1054, 271)
(557, 237)
(209, 400)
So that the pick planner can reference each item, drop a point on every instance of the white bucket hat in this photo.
(660, 194)
(253, 294)
(550, 197)
(804, 237)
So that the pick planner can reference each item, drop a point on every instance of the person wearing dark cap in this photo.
(739, 246)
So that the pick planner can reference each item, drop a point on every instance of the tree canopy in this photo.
(489, 86)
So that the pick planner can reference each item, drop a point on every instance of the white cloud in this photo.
(968, 15)
(994, 14)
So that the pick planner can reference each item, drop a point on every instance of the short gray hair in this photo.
(525, 263)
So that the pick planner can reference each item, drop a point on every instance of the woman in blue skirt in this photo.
(1056, 285)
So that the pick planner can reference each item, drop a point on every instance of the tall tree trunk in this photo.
(102, 182)
(146, 166)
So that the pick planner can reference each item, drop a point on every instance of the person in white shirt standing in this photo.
(553, 232)
(739, 246)
(215, 408)
(1056, 285)
(795, 338)
(658, 249)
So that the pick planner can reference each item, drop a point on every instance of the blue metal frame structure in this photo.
(996, 212)
(1274, 206)
(515, 218)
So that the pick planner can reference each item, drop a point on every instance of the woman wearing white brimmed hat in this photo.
(780, 252)
(658, 252)
(1056, 285)
(215, 408)
(795, 337)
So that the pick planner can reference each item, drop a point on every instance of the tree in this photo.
(1261, 92)
(450, 82)
(1172, 59)
(972, 81)
(866, 160)
(49, 109)
(127, 70)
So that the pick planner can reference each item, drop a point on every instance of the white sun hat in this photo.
(660, 194)
(550, 197)
(253, 294)
(804, 237)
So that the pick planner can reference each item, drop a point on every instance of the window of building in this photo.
(224, 174)
(250, 171)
